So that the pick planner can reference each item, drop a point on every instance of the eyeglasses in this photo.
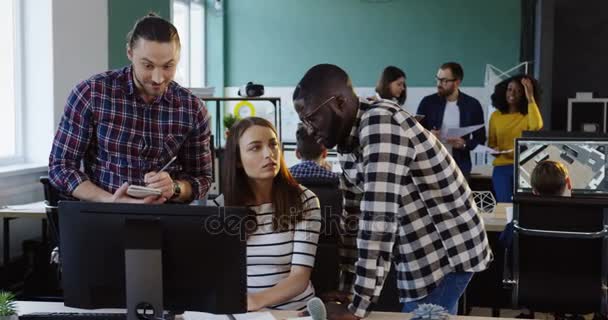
(308, 125)
(444, 80)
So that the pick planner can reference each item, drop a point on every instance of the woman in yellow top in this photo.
(515, 99)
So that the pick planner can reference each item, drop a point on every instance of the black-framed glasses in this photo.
(308, 125)
(444, 80)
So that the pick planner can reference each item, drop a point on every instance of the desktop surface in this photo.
(26, 307)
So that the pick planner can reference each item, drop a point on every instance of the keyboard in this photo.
(72, 316)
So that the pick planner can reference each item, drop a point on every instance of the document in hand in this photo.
(461, 132)
(486, 149)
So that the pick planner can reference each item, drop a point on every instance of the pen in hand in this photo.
(167, 165)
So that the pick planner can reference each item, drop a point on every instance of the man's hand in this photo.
(161, 181)
(121, 196)
(437, 133)
(335, 311)
(339, 296)
(339, 311)
(456, 142)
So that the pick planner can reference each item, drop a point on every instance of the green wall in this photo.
(122, 15)
(275, 41)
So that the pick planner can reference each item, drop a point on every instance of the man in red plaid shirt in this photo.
(122, 126)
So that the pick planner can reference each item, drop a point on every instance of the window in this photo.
(10, 124)
(189, 19)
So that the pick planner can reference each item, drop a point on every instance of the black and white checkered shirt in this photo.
(406, 201)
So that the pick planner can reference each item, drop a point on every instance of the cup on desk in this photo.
(509, 213)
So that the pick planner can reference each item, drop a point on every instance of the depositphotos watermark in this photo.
(231, 222)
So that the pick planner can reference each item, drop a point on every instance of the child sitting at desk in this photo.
(281, 250)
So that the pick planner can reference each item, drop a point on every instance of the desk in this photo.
(25, 307)
(496, 221)
(35, 210)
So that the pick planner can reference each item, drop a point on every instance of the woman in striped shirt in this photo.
(281, 250)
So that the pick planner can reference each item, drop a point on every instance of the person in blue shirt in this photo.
(452, 108)
(313, 158)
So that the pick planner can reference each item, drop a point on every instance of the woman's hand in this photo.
(528, 88)
(252, 303)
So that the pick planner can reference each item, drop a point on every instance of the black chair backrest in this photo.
(559, 253)
(326, 271)
(330, 200)
(52, 197)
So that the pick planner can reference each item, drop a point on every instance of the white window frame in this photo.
(193, 60)
(18, 156)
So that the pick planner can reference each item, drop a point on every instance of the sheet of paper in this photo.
(191, 315)
(35, 206)
(461, 132)
(483, 148)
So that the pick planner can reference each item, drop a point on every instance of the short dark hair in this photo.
(499, 97)
(153, 28)
(549, 178)
(390, 74)
(321, 80)
(308, 147)
(455, 68)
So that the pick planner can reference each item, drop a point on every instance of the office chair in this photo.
(51, 200)
(559, 254)
(325, 273)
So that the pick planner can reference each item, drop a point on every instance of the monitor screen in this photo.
(201, 252)
(585, 160)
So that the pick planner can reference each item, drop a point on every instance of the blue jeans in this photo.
(446, 294)
(502, 180)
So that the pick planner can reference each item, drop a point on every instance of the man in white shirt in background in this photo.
(452, 108)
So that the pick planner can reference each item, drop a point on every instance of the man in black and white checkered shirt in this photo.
(406, 201)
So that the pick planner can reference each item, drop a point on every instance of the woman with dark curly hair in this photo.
(517, 111)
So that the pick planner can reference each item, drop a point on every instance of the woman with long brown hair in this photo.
(281, 250)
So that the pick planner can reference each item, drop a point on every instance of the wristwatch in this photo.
(177, 190)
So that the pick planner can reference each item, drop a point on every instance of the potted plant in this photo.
(229, 121)
(8, 306)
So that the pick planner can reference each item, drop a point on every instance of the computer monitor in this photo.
(584, 157)
(165, 257)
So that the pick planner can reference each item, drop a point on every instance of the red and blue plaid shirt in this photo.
(118, 137)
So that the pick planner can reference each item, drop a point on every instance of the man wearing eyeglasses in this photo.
(452, 108)
(406, 202)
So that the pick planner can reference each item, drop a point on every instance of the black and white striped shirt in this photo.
(271, 254)
(413, 207)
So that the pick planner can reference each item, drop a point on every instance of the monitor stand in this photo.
(144, 269)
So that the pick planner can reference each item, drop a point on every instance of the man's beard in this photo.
(444, 92)
(143, 87)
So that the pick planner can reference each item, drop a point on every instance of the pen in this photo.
(167, 165)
